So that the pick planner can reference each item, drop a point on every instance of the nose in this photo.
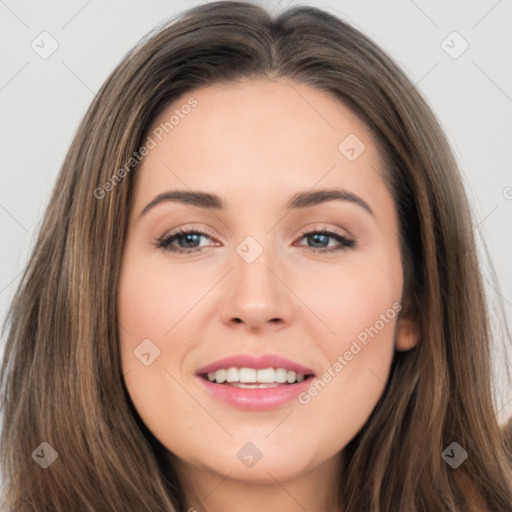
(257, 295)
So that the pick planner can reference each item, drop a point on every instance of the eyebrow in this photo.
(299, 200)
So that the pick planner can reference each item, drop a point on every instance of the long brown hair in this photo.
(62, 382)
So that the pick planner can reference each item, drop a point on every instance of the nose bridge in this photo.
(257, 249)
(255, 268)
(257, 293)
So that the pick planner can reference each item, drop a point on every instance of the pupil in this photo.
(189, 236)
(318, 235)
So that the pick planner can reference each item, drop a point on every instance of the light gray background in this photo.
(43, 100)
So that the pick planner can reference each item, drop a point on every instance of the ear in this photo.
(407, 334)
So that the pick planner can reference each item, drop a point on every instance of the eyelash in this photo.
(165, 241)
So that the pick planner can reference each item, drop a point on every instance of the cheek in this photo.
(359, 308)
(152, 301)
(350, 298)
(150, 304)
(157, 305)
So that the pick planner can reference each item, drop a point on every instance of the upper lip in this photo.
(248, 361)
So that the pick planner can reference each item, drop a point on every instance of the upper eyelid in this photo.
(313, 228)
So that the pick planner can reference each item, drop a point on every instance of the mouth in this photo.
(255, 383)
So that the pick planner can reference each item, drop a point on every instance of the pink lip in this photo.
(255, 399)
(247, 361)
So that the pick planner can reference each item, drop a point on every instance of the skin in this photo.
(243, 142)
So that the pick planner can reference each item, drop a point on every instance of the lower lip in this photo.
(259, 399)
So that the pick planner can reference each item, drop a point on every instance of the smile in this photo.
(255, 383)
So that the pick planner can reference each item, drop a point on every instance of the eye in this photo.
(322, 236)
(188, 241)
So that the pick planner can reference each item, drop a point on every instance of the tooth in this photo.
(251, 375)
(247, 375)
(220, 376)
(290, 376)
(232, 375)
(281, 375)
(269, 385)
(267, 375)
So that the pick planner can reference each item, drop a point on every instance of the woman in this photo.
(254, 371)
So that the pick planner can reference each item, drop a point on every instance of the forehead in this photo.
(258, 137)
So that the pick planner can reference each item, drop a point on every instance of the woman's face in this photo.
(259, 291)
